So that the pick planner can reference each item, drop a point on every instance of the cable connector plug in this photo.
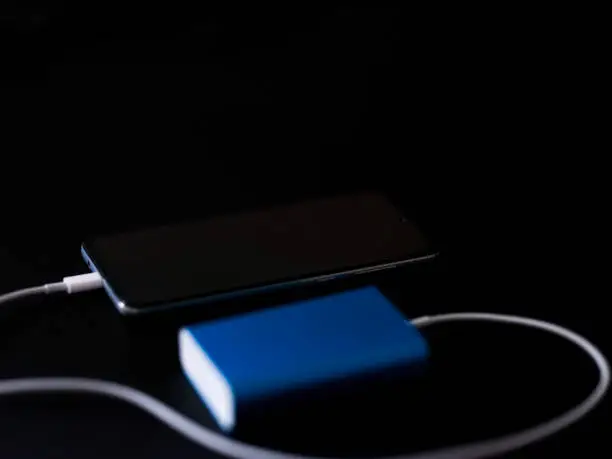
(82, 282)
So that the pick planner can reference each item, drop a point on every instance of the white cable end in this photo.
(420, 321)
(82, 282)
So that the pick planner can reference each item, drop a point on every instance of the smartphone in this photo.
(254, 251)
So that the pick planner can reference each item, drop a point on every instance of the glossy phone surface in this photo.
(254, 251)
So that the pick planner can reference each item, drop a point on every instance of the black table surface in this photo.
(485, 380)
(180, 113)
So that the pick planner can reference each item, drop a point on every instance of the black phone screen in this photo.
(253, 250)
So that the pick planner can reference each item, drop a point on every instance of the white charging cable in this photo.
(70, 284)
(229, 447)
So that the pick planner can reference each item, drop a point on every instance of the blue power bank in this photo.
(242, 364)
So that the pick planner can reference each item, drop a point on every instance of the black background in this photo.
(479, 123)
